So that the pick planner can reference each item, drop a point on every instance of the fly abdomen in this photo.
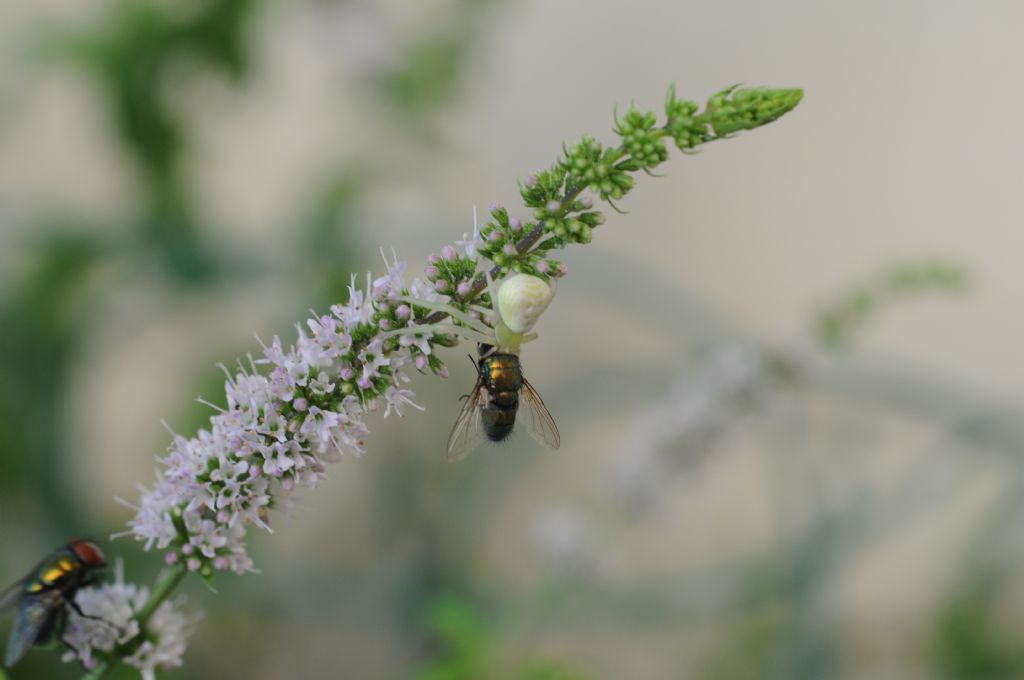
(502, 379)
(499, 416)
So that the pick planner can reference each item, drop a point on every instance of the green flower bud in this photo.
(687, 129)
(733, 109)
(641, 139)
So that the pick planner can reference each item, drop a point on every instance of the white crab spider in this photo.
(515, 307)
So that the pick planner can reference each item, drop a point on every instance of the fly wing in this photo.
(539, 422)
(10, 596)
(35, 615)
(468, 431)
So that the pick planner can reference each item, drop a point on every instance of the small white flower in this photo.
(322, 384)
(425, 290)
(396, 398)
(420, 339)
(359, 308)
(390, 285)
(471, 244)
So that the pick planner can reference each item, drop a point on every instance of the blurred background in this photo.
(788, 379)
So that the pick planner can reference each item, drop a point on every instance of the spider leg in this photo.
(467, 333)
(475, 324)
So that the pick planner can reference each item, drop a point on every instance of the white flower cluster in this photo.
(288, 414)
(115, 608)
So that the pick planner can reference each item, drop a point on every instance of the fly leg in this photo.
(78, 610)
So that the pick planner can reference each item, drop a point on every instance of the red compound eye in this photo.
(88, 552)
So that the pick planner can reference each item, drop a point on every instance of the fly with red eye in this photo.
(43, 596)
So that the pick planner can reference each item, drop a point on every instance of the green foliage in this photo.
(968, 644)
(839, 322)
(328, 257)
(42, 314)
(428, 75)
(550, 671)
(462, 639)
(749, 648)
(134, 58)
(131, 56)
(465, 648)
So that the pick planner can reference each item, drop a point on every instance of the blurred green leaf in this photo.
(838, 323)
(462, 638)
(969, 646)
(328, 233)
(428, 75)
(132, 56)
(43, 318)
(550, 671)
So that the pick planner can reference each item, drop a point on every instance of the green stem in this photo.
(160, 593)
